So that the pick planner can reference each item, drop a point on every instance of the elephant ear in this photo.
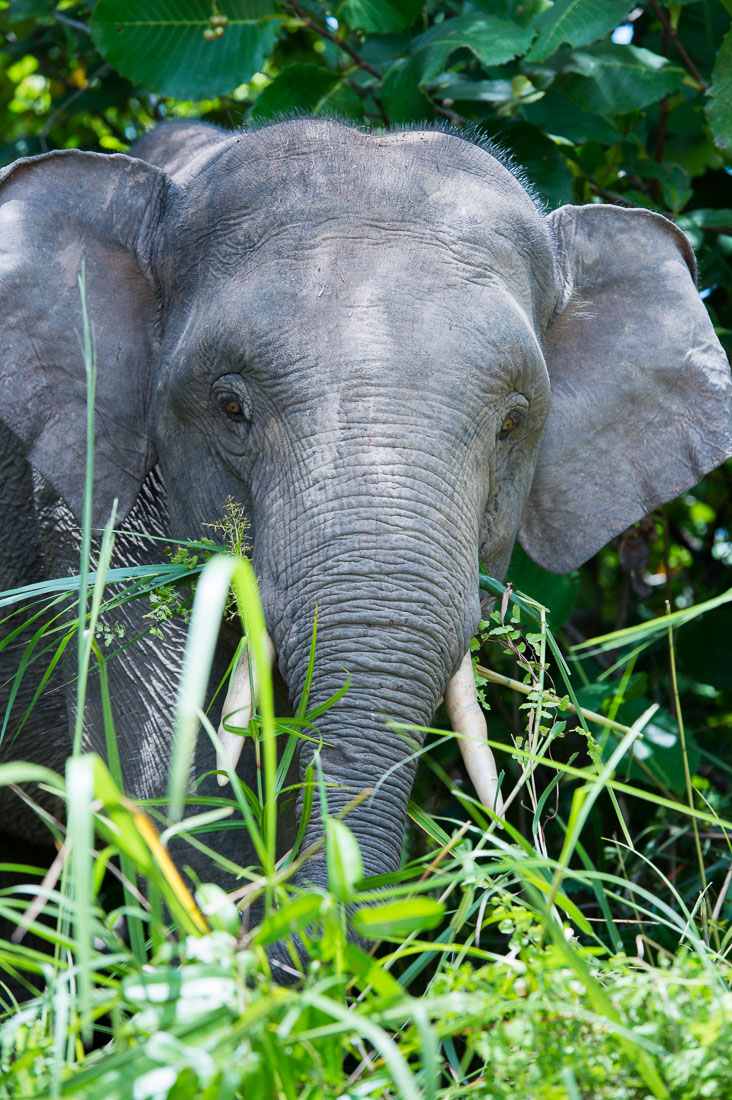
(58, 212)
(641, 396)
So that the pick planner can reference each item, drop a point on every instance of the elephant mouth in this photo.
(461, 703)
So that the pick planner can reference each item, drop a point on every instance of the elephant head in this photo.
(383, 349)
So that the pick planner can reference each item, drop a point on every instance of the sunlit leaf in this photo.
(300, 86)
(290, 918)
(398, 918)
(575, 23)
(612, 80)
(491, 39)
(160, 44)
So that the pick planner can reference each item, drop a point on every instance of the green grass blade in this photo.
(80, 840)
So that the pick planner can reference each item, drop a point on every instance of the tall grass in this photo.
(504, 963)
(514, 988)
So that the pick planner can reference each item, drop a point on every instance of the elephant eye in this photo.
(232, 407)
(511, 421)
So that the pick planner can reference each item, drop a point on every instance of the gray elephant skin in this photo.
(381, 346)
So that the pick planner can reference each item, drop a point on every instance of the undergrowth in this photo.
(543, 962)
(490, 978)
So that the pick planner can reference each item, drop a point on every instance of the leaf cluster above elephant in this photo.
(381, 347)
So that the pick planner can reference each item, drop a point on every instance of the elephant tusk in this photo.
(240, 702)
(468, 721)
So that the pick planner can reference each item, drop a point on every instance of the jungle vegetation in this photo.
(583, 950)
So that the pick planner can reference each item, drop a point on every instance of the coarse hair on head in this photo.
(471, 133)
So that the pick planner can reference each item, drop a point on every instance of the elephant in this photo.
(385, 349)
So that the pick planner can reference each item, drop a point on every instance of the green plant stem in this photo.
(672, 33)
(581, 712)
(527, 689)
(84, 648)
(687, 775)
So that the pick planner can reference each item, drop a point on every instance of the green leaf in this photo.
(455, 86)
(557, 593)
(28, 9)
(20, 772)
(159, 44)
(218, 908)
(613, 80)
(403, 99)
(368, 972)
(490, 39)
(719, 105)
(180, 994)
(343, 103)
(343, 857)
(294, 915)
(557, 114)
(704, 647)
(300, 87)
(576, 23)
(398, 918)
(80, 840)
(380, 16)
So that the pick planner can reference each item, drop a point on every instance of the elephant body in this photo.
(383, 349)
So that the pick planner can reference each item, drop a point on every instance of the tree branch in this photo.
(101, 71)
(339, 42)
(360, 62)
(76, 24)
(680, 48)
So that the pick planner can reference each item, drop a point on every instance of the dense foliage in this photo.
(599, 100)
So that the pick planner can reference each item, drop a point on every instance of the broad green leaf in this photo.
(343, 857)
(558, 115)
(557, 593)
(380, 16)
(298, 87)
(491, 40)
(342, 103)
(719, 105)
(403, 99)
(159, 44)
(398, 918)
(457, 87)
(704, 647)
(294, 915)
(576, 23)
(706, 218)
(613, 80)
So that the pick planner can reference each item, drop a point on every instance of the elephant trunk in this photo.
(395, 615)
(389, 681)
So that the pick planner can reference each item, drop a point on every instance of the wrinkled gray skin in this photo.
(425, 364)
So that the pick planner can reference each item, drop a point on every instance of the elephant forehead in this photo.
(290, 189)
